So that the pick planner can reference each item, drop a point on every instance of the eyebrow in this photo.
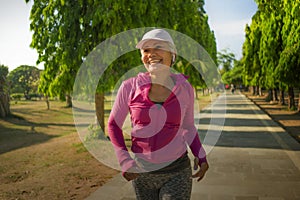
(154, 44)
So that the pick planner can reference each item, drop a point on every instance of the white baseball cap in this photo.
(157, 34)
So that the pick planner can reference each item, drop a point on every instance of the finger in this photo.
(201, 176)
(196, 175)
(199, 179)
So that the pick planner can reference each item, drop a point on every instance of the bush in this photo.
(95, 132)
(17, 96)
(34, 95)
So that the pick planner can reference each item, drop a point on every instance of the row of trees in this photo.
(271, 49)
(66, 31)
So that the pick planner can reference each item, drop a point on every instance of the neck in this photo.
(162, 80)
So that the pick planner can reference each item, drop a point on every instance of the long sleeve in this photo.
(191, 136)
(115, 123)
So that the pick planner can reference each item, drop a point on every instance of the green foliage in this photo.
(94, 132)
(234, 75)
(272, 46)
(271, 42)
(16, 96)
(225, 60)
(251, 63)
(288, 70)
(24, 79)
(65, 32)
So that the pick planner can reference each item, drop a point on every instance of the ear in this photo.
(173, 58)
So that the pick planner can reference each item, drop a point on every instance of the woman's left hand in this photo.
(203, 168)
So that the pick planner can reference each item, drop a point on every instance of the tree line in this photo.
(271, 52)
(66, 31)
(271, 49)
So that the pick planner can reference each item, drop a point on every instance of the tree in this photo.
(225, 60)
(4, 94)
(270, 44)
(24, 79)
(65, 32)
(271, 48)
(252, 69)
(288, 71)
(234, 75)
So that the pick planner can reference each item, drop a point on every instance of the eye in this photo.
(145, 50)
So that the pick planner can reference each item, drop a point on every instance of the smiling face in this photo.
(156, 56)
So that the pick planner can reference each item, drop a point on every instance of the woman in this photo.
(161, 109)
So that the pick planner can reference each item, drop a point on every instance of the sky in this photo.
(227, 18)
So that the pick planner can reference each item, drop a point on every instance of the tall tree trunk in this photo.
(299, 103)
(291, 99)
(281, 98)
(4, 99)
(68, 101)
(2, 111)
(196, 93)
(260, 91)
(257, 90)
(275, 97)
(269, 97)
(252, 90)
(99, 103)
(4, 105)
(47, 102)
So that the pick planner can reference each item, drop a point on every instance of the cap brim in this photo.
(141, 43)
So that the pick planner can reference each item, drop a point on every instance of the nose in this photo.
(152, 52)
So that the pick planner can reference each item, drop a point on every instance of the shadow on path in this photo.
(246, 126)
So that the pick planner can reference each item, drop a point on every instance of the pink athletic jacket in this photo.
(160, 133)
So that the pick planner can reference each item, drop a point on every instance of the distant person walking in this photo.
(161, 107)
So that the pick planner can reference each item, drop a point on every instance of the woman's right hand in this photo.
(201, 172)
(132, 173)
(129, 176)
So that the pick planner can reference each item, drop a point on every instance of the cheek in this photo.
(144, 59)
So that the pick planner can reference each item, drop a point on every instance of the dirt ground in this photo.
(42, 157)
(289, 120)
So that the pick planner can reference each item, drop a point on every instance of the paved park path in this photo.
(253, 159)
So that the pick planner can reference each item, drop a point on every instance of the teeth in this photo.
(154, 61)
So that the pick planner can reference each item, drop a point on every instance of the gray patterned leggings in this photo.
(167, 186)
